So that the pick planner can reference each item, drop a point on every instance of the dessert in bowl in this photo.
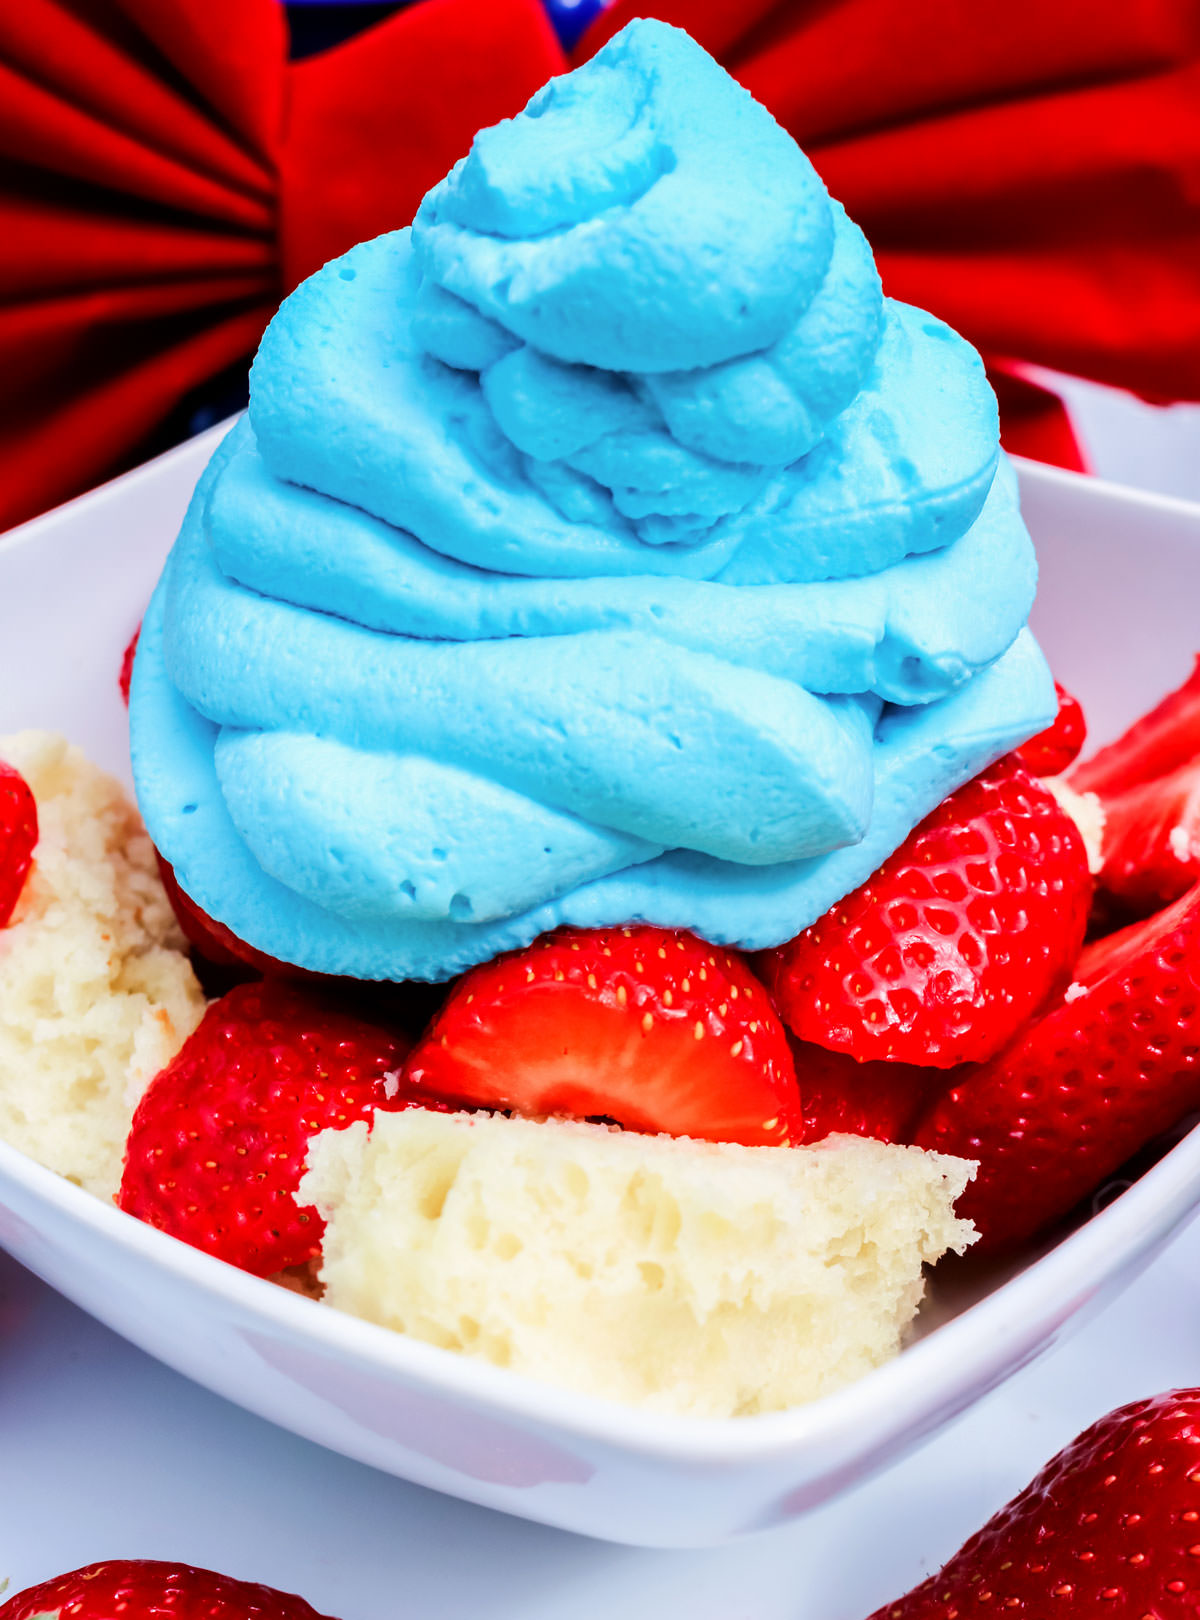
(631, 657)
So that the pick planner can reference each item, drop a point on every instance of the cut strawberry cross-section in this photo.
(648, 1027)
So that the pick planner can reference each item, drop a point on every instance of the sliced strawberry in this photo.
(1114, 1064)
(1152, 840)
(147, 1589)
(1108, 1528)
(218, 1142)
(1167, 737)
(648, 1027)
(883, 1100)
(964, 932)
(1052, 750)
(18, 837)
(125, 678)
(211, 939)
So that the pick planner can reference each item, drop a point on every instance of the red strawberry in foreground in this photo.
(1086, 1086)
(962, 934)
(1052, 750)
(218, 1142)
(1110, 1527)
(18, 837)
(144, 1589)
(1167, 737)
(883, 1100)
(649, 1027)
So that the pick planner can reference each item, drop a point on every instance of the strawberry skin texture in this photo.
(1162, 740)
(883, 1100)
(1110, 1527)
(955, 941)
(1086, 1086)
(218, 1142)
(18, 837)
(146, 1589)
(647, 1027)
(1152, 840)
(1052, 750)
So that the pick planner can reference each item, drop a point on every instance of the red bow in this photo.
(1030, 172)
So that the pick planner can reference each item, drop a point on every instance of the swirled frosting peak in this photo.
(605, 547)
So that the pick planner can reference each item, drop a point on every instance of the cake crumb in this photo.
(97, 993)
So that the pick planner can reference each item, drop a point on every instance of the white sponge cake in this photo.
(686, 1276)
(96, 991)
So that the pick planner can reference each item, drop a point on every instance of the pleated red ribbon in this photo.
(1029, 172)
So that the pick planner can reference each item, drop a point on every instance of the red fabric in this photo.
(1030, 172)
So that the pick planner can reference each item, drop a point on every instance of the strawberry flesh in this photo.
(1152, 840)
(218, 1142)
(18, 837)
(1052, 750)
(1115, 1063)
(1161, 741)
(125, 678)
(147, 1589)
(883, 1100)
(647, 1027)
(1110, 1527)
(955, 941)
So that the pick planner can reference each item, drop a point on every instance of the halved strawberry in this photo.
(1152, 840)
(648, 1027)
(1052, 750)
(218, 1142)
(1167, 737)
(1113, 1065)
(883, 1100)
(147, 1589)
(963, 933)
(18, 837)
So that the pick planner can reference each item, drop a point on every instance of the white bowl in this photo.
(1121, 577)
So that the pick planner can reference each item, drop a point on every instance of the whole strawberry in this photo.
(218, 1142)
(1052, 750)
(949, 947)
(145, 1589)
(18, 837)
(1115, 1063)
(1111, 1527)
(648, 1027)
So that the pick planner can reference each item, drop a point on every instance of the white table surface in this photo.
(104, 1453)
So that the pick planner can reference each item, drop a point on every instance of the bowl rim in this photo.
(1014, 1321)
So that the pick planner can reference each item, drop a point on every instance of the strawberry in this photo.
(1052, 750)
(1167, 737)
(648, 1027)
(1110, 1527)
(18, 837)
(1152, 840)
(1115, 1063)
(211, 939)
(949, 947)
(144, 1589)
(217, 1145)
(883, 1100)
(125, 678)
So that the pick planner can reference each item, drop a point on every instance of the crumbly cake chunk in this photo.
(686, 1276)
(96, 991)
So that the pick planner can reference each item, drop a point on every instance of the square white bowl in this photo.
(1117, 615)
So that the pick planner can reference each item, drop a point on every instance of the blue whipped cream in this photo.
(604, 548)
